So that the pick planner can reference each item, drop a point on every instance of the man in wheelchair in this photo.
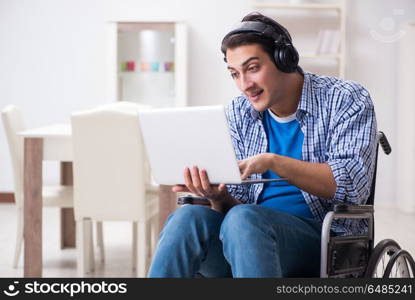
(318, 132)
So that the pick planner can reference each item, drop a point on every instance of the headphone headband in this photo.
(256, 27)
(261, 28)
(285, 55)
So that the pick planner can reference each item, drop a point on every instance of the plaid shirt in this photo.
(339, 125)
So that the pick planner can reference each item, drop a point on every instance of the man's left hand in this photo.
(255, 164)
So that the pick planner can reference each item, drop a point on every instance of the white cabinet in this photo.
(147, 63)
(318, 31)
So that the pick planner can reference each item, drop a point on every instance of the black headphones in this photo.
(285, 55)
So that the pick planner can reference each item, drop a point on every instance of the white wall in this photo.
(52, 57)
(373, 34)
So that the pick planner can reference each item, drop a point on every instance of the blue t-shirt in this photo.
(284, 137)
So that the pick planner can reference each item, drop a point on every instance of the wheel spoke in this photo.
(396, 269)
(389, 260)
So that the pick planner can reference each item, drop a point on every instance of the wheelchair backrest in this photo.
(384, 143)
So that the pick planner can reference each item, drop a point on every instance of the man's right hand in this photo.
(197, 182)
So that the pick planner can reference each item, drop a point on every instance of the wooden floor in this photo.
(390, 223)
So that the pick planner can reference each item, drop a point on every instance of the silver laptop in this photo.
(176, 138)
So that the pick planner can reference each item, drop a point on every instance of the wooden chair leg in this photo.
(19, 238)
(85, 247)
(142, 249)
(100, 240)
(135, 232)
(154, 233)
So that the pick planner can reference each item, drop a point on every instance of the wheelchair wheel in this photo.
(380, 258)
(400, 265)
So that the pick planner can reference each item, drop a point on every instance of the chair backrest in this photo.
(109, 171)
(13, 123)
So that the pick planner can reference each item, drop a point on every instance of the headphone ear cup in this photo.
(286, 57)
(292, 57)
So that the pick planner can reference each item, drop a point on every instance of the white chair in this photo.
(111, 182)
(52, 196)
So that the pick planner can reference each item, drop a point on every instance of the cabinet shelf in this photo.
(266, 5)
(158, 73)
(320, 37)
(320, 56)
(147, 62)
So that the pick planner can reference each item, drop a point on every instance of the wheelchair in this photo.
(355, 256)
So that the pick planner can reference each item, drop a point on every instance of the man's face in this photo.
(256, 75)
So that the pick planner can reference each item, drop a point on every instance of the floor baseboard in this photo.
(6, 197)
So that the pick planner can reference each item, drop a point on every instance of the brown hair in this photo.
(267, 43)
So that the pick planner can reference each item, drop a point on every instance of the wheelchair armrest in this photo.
(342, 211)
(353, 209)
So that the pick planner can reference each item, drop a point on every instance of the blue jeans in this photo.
(249, 241)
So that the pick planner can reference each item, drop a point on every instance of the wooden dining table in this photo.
(54, 143)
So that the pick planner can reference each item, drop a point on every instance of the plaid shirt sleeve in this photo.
(233, 114)
(352, 149)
